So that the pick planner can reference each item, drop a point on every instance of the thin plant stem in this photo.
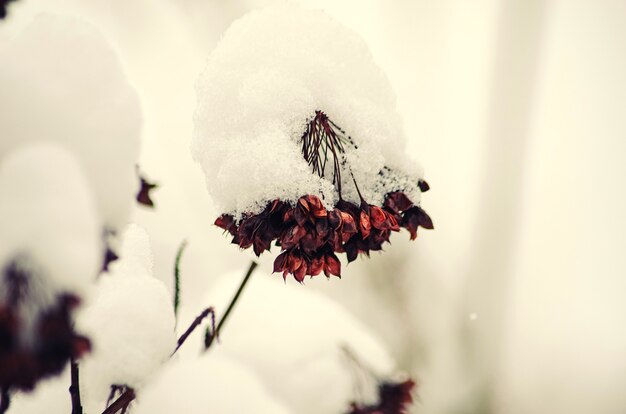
(77, 407)
(179, 255)
(121, 403)
(210, 336)
(5, 400)
(196, 322)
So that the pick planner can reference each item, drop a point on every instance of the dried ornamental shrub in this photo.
(302, 147)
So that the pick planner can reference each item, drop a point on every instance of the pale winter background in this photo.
(513, 304)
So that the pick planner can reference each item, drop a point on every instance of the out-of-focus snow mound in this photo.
(49, 221)
(299, 342)
(50, 396)
(62, 82)
(205, 384)
(130, 321)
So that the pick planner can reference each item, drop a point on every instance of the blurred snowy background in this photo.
(515, 303)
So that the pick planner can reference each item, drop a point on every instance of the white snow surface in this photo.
(268, 75)
(50, 396)
(206, 384)
(60, 81)
(49, 222)
(294, 338)
(130, 321)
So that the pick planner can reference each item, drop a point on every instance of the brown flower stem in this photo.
(194, 325)
(121, 403)
(357, 188)
(114, 389)
(210, 336)
(5, 400)
(77, 407)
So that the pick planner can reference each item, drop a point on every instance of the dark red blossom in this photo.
(410, 216)
(414, 217)
(393, 398)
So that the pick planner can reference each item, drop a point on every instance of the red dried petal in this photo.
(292, 237)
(288, 215)
(301, 215)
(415, 217)
(300, 273)
(398, 202)
(316, 266)
(258, 247)
(410, 222)
(310, 244)
(226, 222)
(334, 219)
(425, 220)
(294, 262)
(378, 217)
(349, 226)
(364, 224)
(303, 204)
(280, 263)
(352, 251)
(314, 203)
(321, 228)
(274, 206)
(332, 265)
(393, 222)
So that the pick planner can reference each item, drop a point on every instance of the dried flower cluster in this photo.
(31, 353)
(310, 235)
(393, 398)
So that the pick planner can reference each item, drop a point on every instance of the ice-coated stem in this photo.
(210, 336)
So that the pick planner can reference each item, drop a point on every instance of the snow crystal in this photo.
(60, 81)
(49, 222)
(206, 384)
(262, 84)
(295, 340)
(130, 321)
